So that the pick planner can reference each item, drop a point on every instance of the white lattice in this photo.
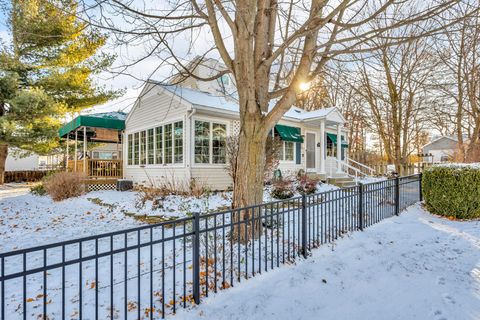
(235, 128)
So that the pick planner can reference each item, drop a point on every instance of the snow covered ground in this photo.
(46, 221)
(416, 266)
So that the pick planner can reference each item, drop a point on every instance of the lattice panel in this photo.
(101, 186)
(235, 128)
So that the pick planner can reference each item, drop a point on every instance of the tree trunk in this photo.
(248, 184)
(3, 159)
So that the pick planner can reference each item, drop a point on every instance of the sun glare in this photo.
(304, 86)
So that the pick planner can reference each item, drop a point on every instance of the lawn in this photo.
(416, 266)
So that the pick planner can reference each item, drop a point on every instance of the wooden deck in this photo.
(99, 169)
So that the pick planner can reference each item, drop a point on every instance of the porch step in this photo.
(318, 176)
(342, 182)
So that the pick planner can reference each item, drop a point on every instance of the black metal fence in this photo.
(151, 271)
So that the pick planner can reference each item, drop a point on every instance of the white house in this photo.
(175, 132)
(440, 149)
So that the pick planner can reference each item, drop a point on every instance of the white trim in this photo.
(163, 164)
(314, 169)
(210, 120)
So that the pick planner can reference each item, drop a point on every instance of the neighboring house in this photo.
(180, 133)
(18, 160)
(440, 149)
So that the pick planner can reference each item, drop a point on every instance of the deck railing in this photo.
(97, 168)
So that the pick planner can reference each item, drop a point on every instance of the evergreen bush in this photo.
(453, 190)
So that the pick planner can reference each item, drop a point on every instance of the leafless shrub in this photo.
(64, 185)
(170, 185)
(271, 157)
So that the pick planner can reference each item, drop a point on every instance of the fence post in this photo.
(196, 257)
(304, 225)
(420, 176)
(397, 196)
(360, 206)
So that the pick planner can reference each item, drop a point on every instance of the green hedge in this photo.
(452, 191)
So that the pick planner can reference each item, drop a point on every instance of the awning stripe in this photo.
(287, 133)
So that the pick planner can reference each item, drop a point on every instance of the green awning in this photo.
(333, 138)
(287, 133)
(107, 120)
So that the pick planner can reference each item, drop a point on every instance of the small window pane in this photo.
(289, 150)
(280, 153)
(168, 143)
(178, 136)
(130, 149)
(143, 158)
(202, 142)
(150, 146)
(159, 142)
(136, 148)
(219, 143)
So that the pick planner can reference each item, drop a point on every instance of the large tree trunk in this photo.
(3, 159)
(248, 184)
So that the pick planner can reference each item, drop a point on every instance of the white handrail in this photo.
(356, 170)
(372, 171)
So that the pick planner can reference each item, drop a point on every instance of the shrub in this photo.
(38, 189)
(282, 189)
(64, 185)
(307, 185)
(453, 191)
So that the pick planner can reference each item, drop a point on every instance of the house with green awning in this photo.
(181, 133)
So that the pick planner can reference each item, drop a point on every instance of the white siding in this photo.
(156, 108)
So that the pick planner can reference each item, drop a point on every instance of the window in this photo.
(130, 150)
(143, 145)
(219, 143)
(210, 142)
(168, 143)
(202, 142)
(159, 145)
(150, 145)
(225, 80)
(178, 143)
(289, 150)
(331, 148)
(136, 149)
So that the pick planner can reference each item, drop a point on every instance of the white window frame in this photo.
(294, 161)
(163, 164)
(211, 121)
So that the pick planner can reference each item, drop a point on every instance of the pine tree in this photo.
(46, 72)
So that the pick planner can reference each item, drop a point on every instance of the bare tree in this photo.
(459, 83)
(343, 94)
(269, 47)
(395, 84)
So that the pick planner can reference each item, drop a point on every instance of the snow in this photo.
(365, 180)
(475, 165)
(206, 99)
(117, 115)
(416, 266)
(93, 213)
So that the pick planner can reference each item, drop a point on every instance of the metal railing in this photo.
(153, 270)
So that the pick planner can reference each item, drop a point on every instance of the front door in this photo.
(311, 144)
